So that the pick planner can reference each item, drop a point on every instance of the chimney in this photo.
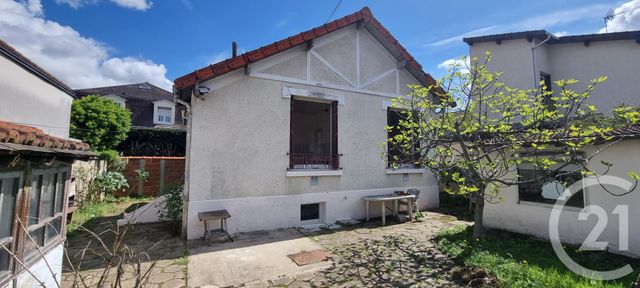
(234, 49)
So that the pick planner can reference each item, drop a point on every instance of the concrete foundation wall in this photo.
(263, 213)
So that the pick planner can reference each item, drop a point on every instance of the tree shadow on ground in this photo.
(370, 255)
(506, 248)
(149, 241)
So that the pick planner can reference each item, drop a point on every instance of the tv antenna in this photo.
(609, 17)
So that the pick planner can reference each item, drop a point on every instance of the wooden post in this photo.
(22, 213)
(384, 220)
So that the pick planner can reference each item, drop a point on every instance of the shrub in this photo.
(154, 142)
(114, 161)
(172, 210)
(109, 182)
(100, 122)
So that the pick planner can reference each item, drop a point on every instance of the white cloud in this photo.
(79, 61)
(132, 4)
(561, 33)
(34, 6)
(544, 21)
(281, 23)
(627, 17)
(458, 38)
(559, 18)
(187, 4)
(459, 64)
(77, 3)
(218, 57)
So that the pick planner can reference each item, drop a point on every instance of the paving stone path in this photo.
(148, 242)
(367, 255)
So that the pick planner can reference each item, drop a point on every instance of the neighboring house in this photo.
(35, 170)
(527, 208)
(150, 105)
(290, 134)
(528, 57)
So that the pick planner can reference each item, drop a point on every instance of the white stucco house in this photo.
(526, 58)
(290, 134)
(36, 155)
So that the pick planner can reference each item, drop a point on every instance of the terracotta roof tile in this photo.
(365, 15)
(31, 136)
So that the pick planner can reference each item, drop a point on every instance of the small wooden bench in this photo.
(221, 215)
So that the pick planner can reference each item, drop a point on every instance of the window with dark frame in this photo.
(397, 155)
(44, 209)
(9, 187)
(313, 135)
(309, 211)
(547, 189)
(46, 203)
(546, 79)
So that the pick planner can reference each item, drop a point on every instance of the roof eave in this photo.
(25, 63)
(184, 85)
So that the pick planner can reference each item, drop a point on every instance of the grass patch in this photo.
(523, 261)
(110, 206)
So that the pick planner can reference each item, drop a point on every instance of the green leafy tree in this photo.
(477, 146)
(100, 122)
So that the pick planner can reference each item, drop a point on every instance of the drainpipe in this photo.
(533, 60)
(185, 192)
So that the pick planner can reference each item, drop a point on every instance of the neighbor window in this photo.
(46, 202)
(400, 156)
(545, 78)
(548, 188)
(164, 114)
(314, 135)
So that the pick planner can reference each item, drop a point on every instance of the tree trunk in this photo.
(478, 227)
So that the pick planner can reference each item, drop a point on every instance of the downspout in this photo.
(185, 192)
(533, 60)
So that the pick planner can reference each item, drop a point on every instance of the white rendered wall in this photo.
(42, 272)
(240, 134)
(271, 212)
(618, 60)
(533, 218)
(27, 99)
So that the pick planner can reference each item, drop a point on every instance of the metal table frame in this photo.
(390, 198)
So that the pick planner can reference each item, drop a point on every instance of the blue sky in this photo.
(135, 40)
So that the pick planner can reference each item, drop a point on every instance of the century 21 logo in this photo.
(591, 242)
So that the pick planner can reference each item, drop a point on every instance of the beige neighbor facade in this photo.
(35, 169)
(240, 133)
(28, 93)
(582, 57)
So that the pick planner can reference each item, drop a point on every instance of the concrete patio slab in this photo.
(252, 257)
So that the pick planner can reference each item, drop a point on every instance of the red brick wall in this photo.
(163, 172)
